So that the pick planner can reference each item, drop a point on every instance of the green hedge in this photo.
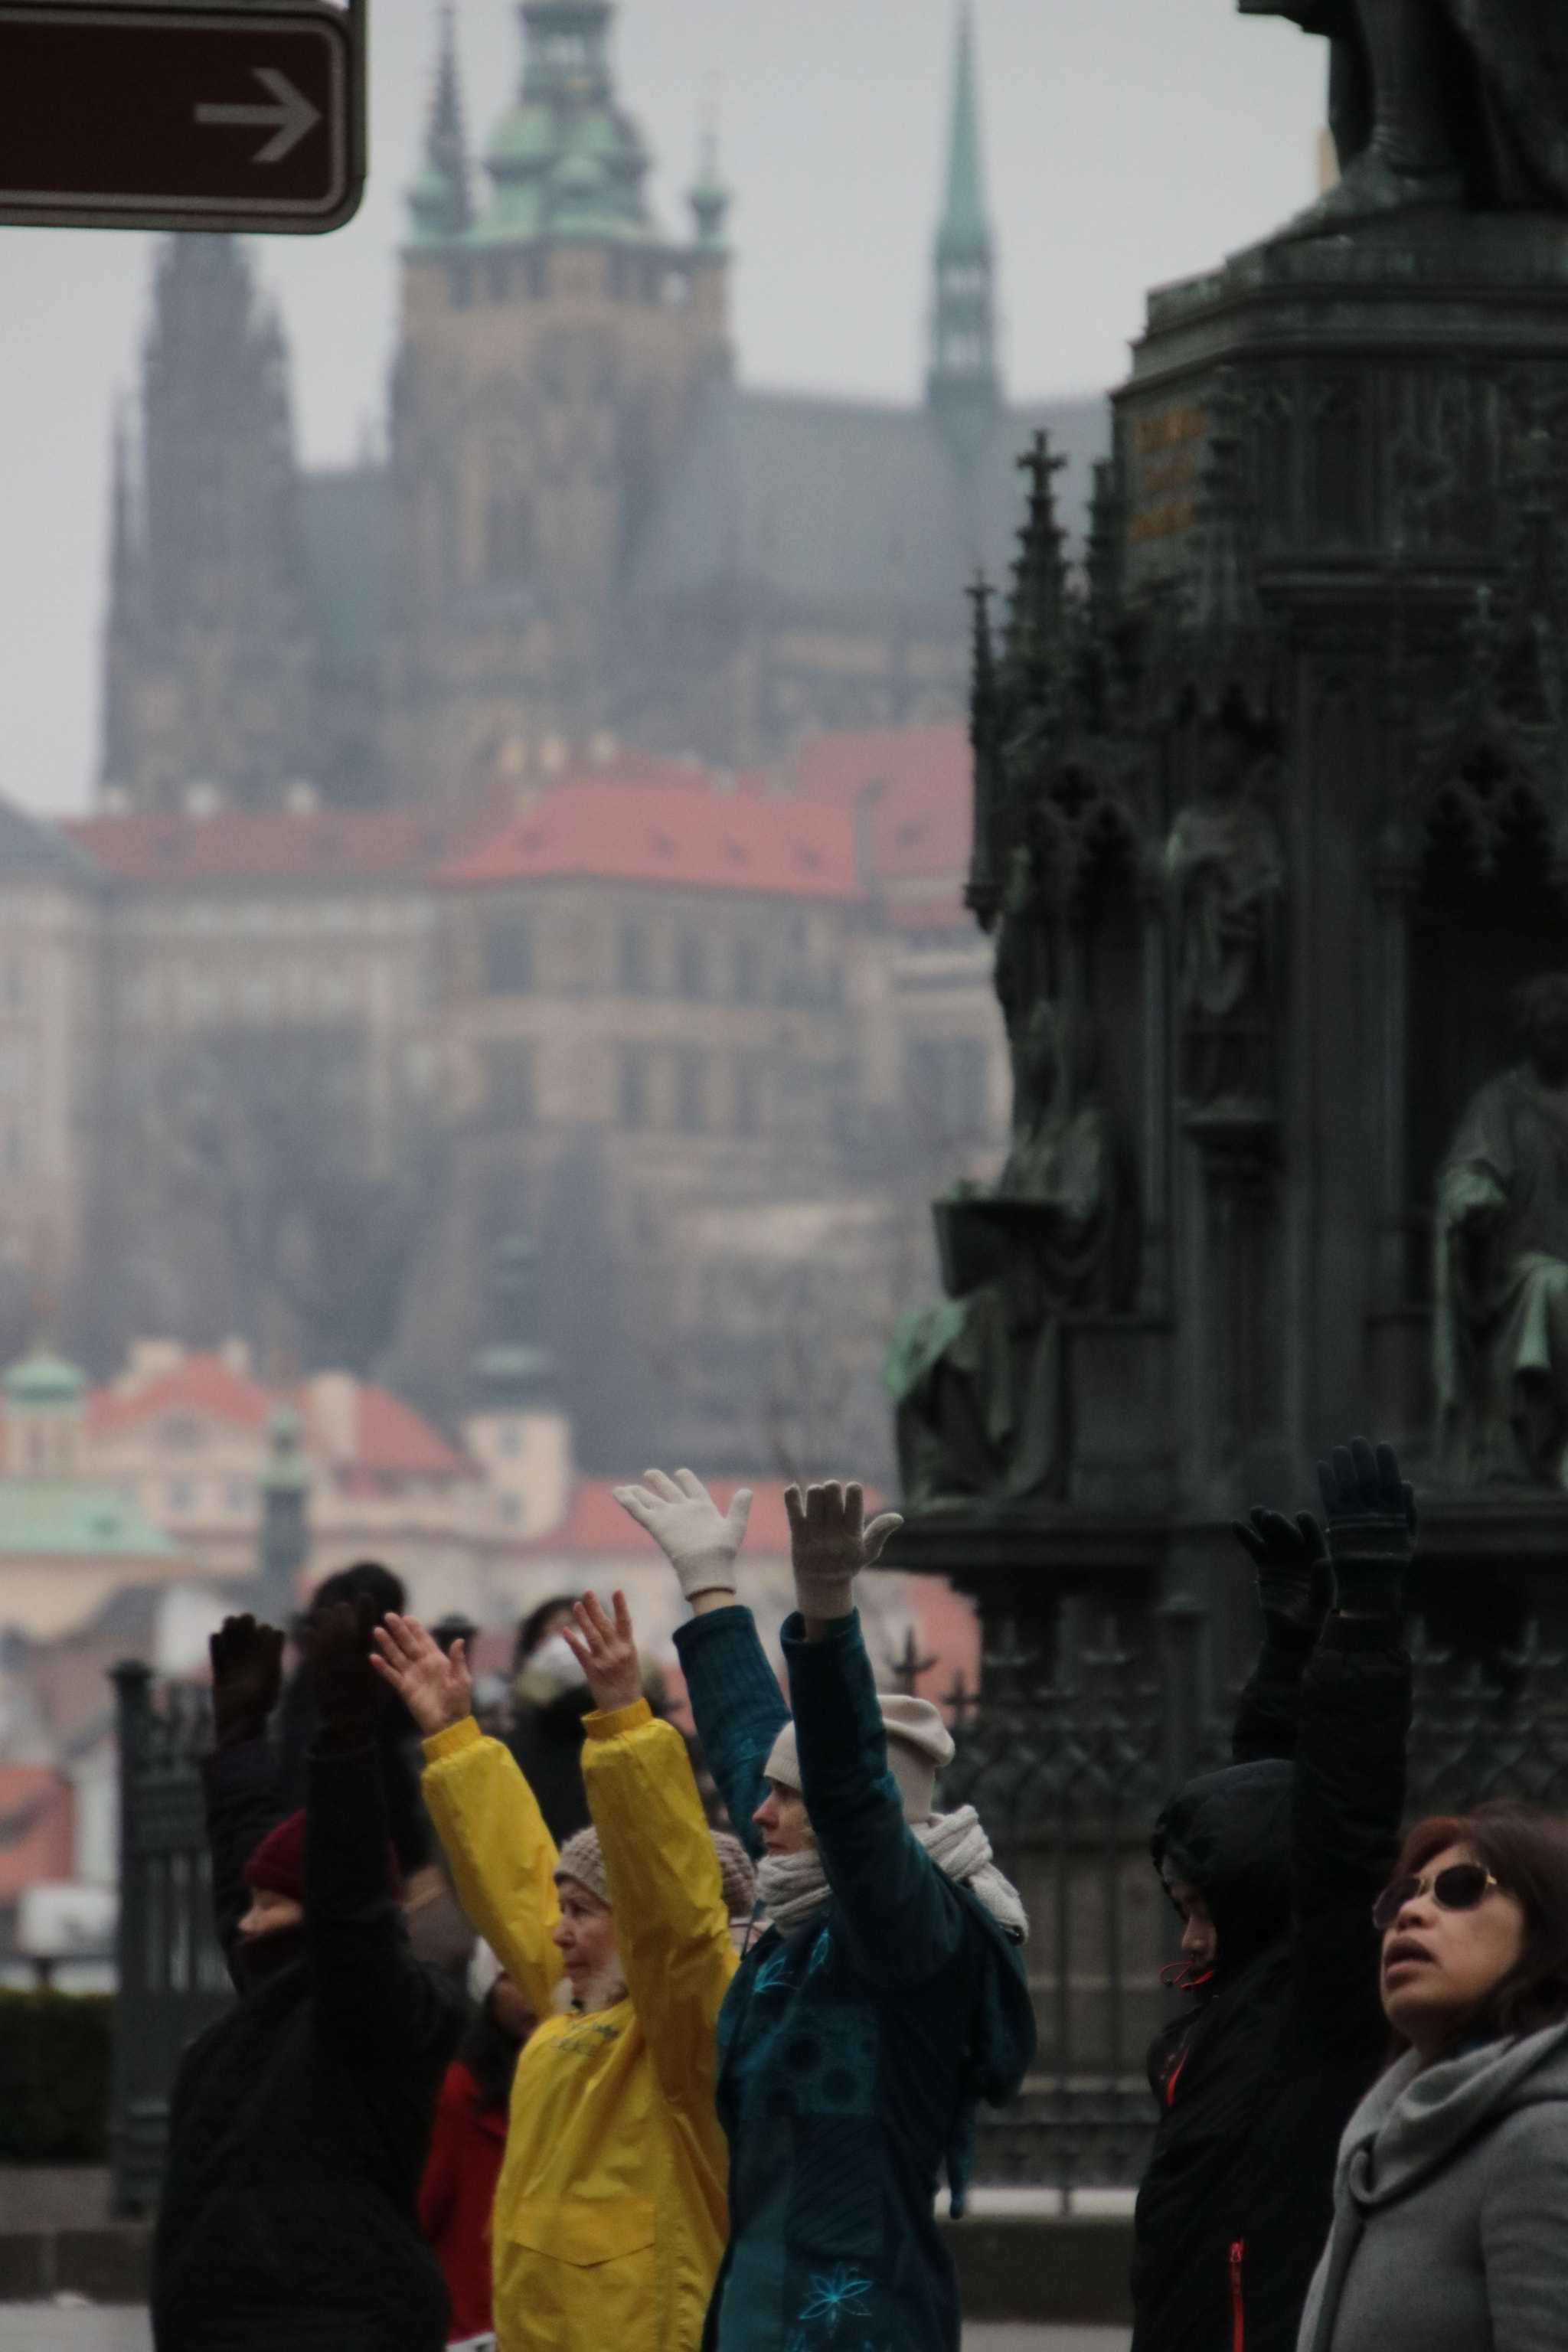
(56, 2056)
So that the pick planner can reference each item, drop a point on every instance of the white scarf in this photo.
(795, 1886)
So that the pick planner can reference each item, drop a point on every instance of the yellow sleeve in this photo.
(671, 1928)
(501, 1853)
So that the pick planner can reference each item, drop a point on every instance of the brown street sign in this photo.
(127, 116)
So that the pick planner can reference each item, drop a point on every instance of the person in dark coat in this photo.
(468, 2143)
(299, 2120)
(1274, 1863)
(397, 1741)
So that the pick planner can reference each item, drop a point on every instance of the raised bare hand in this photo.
(607, 1652)
(434, 1685)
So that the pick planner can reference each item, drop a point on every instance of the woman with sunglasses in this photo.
(1450, 2229)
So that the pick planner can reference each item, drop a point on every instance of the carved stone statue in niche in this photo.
(1225, 875)
(1501, 1329)
(1440, 102)
(977, 1376)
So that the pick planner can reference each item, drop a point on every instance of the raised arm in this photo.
(240, 1776)
(1295, 1592)
(736, 1703)
(370, 1995)
(672, 1931)
(1350, 1755)
(501, 1855)
(903, 1914)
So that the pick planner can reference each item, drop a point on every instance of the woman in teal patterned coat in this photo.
(887, 1994)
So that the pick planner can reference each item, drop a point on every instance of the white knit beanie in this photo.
(918, 1745)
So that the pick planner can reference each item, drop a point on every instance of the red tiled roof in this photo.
(37, 1814)
(233, 845)
(391, 1436)
(202, 1384)
(653, 833)
(596, 1523)
(911, 788)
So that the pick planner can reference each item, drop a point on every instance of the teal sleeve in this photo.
(905, 1919)
(736, 1705)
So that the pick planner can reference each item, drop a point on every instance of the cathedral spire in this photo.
(711, 195)
(964, 388)
(438, 198)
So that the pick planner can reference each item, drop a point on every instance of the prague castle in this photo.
(557, 830)
(589, 526)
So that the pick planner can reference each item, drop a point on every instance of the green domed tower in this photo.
(556, 338)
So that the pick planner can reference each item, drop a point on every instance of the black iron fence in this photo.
(1068, 1770)
(172, 1979)
(1067, 1767)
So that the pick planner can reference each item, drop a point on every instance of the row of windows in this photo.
(702, 1094)
(230, 1497)
(701, 969)
(691, 1106)
(270, 991)
(213, 918)
(946, 1086)
(506, 277)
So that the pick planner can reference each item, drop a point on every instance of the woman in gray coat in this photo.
(1450, 2229)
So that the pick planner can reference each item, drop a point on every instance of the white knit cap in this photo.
(918, 1745)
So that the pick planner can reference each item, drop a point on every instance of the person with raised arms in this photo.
(609, 2216)
(887, 1994)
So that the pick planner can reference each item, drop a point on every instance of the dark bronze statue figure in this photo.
(1440, 102)
(1225, 874)
(977, 1376)
(1501, 1330)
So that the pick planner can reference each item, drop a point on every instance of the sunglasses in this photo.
(1460, 1887)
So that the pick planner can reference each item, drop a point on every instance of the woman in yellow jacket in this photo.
(610, 2218)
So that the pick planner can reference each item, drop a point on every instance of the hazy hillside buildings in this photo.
(383, 945)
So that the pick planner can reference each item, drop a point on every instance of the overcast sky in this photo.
(1127, 141)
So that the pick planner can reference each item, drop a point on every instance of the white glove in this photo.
(697, 1538)
(829, 1545)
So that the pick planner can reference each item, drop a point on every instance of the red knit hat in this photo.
(278, 1862)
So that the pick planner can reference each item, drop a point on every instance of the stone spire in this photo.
(439, 199)
(210, 680)
(568, 162)
(964, 388)
(711, 195)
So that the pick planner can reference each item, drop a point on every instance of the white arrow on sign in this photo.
(287, 120)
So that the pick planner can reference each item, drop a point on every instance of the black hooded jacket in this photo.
(1289, 1846)
(300, 2121)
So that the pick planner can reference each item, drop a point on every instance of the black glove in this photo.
(1295, 1582)
(337, 1659)
(248, 1674)
(1371, 1527)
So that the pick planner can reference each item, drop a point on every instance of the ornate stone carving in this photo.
(1501, 1262)
(1226, 875)
(977, 1376)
